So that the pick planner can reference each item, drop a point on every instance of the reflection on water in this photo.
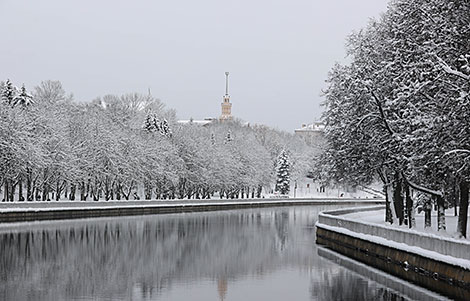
(249, 254)
(342, 285)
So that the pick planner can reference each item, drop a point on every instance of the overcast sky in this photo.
(278, 53)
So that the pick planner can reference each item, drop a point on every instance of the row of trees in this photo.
(130, 147)
(399, 111)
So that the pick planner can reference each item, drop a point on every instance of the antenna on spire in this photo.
(226, 83)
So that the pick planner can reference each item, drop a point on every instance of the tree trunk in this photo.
(118, 191)
(441, 218)
(20, 190)
(427, 213)
(409, 208)
(388, 209)
(45, 192)
(83, 191)
(391, 204)
(35, 189)
(129, 190)
(398, 198)
(148, 190)
(29, 191)
(463, 210)
(37, 194)
(107, 190)
(455, 196)
(189, 192)
(73, 188)
(5, 191)
(258, 192)
(58, 190)
(12, 191)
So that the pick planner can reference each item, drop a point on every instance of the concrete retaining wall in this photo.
(70, 210)
(442, 245)
(345, 236)
(437, 276)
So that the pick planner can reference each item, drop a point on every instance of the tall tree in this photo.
(283, 173)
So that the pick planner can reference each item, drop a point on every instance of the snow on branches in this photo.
(13, 96)
(400, 109)
(283, 173)
(153, 124)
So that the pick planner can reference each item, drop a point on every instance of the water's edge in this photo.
(73, 211)
(439, 276)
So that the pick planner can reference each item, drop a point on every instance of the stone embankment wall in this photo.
(439, 264)
(26, 211)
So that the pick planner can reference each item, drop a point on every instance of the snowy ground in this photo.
(379, 216)
(51, 206)
(309, 188)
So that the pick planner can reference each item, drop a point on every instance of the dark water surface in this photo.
(250, 254)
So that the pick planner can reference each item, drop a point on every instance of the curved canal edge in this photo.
(32, 211)
(436, 263)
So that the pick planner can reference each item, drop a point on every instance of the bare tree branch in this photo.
(457, 151)
(422, 188)
(452, 71)
(382, 114)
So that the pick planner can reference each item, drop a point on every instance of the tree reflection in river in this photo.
(149, 257)
(342, 285)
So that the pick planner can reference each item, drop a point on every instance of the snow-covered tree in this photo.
(9, 92)
(23, 98)
(396, 110)
(165, 128)
(149, 124)
(228, 137)
(120, 147)
(283, 173)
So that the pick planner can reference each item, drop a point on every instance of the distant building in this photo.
(313, 133)
(226, 110)
(226, 105)
(204, 122)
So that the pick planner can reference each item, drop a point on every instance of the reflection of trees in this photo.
(281, 221)
(115, 257)
(342, 285)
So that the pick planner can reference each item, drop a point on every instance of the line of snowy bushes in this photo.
(130, 147)
(399, 111)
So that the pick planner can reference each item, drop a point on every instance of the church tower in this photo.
(226, 105)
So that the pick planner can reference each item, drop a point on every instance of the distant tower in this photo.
(226, 105)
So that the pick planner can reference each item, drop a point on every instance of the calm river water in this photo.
(250, 254)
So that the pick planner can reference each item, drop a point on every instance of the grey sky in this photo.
(278, 52)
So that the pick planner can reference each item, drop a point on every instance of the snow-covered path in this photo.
(378, 216)
(89, 205)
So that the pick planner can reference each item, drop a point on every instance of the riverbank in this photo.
(29, 211)
(377, 217)
(438, 263)
(403, 288)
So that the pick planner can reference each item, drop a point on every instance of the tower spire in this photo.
(226, 105)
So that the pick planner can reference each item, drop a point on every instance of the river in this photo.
(248, 254)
